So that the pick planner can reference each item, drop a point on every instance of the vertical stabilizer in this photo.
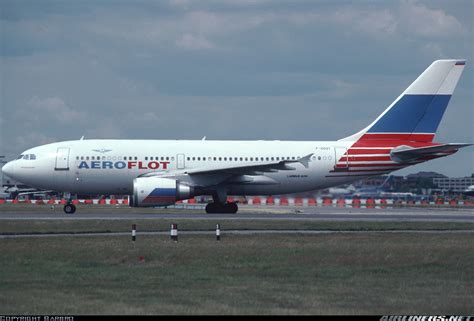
(417, 112)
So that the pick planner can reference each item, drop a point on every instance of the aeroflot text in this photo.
(122, 165)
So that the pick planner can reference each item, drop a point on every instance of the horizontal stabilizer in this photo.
(405, 153)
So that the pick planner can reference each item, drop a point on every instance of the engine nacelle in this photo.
(157, 191)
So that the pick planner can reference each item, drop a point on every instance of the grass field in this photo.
(150, 225)
(373, 273)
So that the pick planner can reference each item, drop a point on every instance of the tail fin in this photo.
(417, 112)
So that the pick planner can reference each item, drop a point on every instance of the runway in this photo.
(250, 213)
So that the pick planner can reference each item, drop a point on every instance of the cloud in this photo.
(53, 108)
(189, 41)
(432, 23)
(30, 139)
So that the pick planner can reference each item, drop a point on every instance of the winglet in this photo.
(305, 160)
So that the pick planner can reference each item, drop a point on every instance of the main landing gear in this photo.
(69, 208)
(213, 208)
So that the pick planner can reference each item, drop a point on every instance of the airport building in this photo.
(454, 184)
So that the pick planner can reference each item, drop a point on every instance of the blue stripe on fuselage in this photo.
(413, 114)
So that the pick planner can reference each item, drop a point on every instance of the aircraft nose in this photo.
(8, 169)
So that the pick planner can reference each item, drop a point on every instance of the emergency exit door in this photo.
(180, 161)
(341, 159)
(62, 159)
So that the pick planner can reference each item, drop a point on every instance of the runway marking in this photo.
(231, 232)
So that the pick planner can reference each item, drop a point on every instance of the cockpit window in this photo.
(27, 156)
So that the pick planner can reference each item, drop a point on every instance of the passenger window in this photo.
(167, 158)
(188, 158)
(220, 158)
(146, 158)
(199, 158)
(136, 158)
(87, 157)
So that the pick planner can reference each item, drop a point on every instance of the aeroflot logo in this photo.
(122, 165)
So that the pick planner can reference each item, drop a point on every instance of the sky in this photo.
(225, 69)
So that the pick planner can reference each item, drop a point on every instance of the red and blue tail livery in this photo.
(403, 134)
(415, 115)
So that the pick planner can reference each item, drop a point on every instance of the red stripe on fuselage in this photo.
(390, 143)
(364, 158)
(427, 137)
(353, 151)
(370, 165)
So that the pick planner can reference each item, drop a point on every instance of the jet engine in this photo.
(157, 191)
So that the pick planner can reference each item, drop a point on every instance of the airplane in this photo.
(4, 193)
(341, 191)
(160, 172)
(469, 191)
(376, 190)
(14, 191)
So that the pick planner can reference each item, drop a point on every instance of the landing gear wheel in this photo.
(69, 209)
(213, 208)
(232, 208)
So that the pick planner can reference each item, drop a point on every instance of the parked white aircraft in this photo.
(160, 172)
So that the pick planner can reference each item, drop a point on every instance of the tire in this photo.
(228, 208)
(69, 209)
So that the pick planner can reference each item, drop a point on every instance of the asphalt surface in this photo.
(234, 232)
(250, 213)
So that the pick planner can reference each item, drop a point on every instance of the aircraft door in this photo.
(62, 159)
(341, 159)
(180, 164)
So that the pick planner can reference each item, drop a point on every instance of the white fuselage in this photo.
(110, 166)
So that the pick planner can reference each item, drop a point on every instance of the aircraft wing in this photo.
(405, 154)
(243, 174)
(253, 169)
